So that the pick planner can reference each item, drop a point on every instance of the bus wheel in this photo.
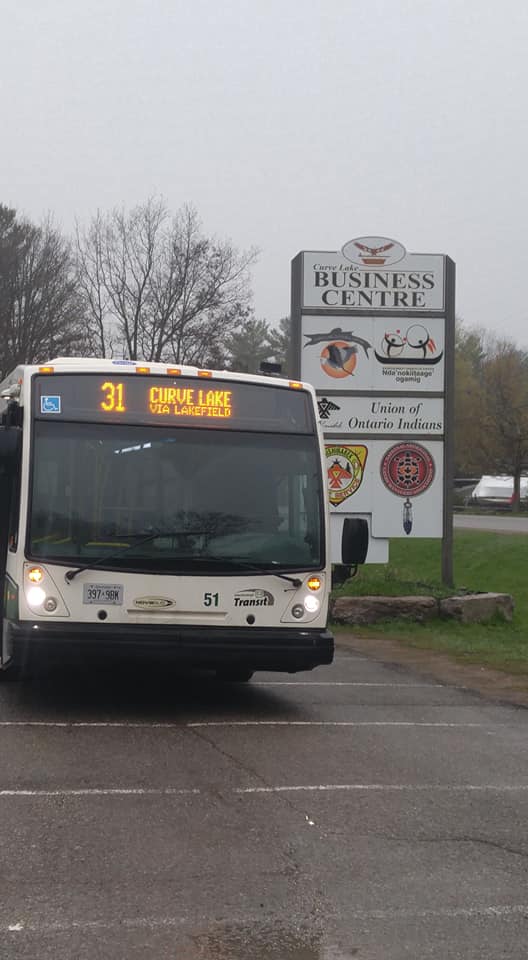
(234, 674)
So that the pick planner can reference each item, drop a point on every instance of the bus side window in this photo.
(14, 512)
(10, 461)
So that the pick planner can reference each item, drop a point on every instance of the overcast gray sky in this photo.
(290, 124)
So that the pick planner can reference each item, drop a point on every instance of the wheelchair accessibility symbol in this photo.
(50, 404)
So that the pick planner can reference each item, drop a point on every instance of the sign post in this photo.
(373, 331)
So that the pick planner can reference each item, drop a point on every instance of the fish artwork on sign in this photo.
(337, 334)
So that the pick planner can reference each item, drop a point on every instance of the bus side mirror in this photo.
(10, 440)
(354, 541)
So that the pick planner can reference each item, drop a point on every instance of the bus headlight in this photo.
(36, 596)
(50, 604)
(298, 611)
(311, 604)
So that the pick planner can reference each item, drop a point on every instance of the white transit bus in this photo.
(157, 509)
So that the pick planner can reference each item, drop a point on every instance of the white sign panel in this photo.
(416, 282)
(381, 415)
(399, 483)
(370, 329)
(391, 353)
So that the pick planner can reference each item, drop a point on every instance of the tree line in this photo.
(491, 405)
(147, 284)
(142, 284)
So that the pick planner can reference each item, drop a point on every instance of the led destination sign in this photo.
(171, 401)
(167, 401)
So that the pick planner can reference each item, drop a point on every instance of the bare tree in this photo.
(505, 379)
(40, 311)
(156, 287)
(472, 456)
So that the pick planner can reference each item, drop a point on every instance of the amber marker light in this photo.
(35, 574)
(314, 583)
(142, 369)
(204, 373)
(295, 385)
(46, 369)
(174, 371)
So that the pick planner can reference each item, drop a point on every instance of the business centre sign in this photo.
(373, 332)
(373, 273)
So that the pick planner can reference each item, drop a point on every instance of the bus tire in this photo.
(234, 674)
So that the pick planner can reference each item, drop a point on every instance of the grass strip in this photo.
(483, 561)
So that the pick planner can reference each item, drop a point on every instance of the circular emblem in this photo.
(339, 359)
(417, 336)
(345, 466)
(393, 344)
(407, 469)
(374, 251)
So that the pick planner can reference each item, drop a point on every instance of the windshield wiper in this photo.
(246, 564)
(70, 574)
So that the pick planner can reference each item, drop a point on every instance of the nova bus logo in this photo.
(153, 603)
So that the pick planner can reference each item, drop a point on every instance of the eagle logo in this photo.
(374, 251)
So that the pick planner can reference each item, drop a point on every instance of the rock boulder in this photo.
(357, 610)
(478, 607)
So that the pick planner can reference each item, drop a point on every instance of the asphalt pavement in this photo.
(356, 811)
(492, 523)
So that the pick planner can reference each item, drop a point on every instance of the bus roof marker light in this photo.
(142, 369)
(46, 369)
(35, 574)
(204, 373)
(295, 385)
(174, 371)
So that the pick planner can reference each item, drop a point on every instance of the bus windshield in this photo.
(185, 500)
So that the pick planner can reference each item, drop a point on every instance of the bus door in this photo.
(10, 449)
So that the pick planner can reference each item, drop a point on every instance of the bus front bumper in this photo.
(258, 648)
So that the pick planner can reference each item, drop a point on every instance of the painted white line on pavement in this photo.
(328, 723)
(336, 683)
(147, 725)
(451, 913)
(388, 787)
(104, 792)
(242, 791)
(353, 659)
(129, 923)
(492, 912)
(93, 723)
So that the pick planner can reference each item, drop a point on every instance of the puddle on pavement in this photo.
(251, 943)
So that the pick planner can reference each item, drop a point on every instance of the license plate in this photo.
(107, 593)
